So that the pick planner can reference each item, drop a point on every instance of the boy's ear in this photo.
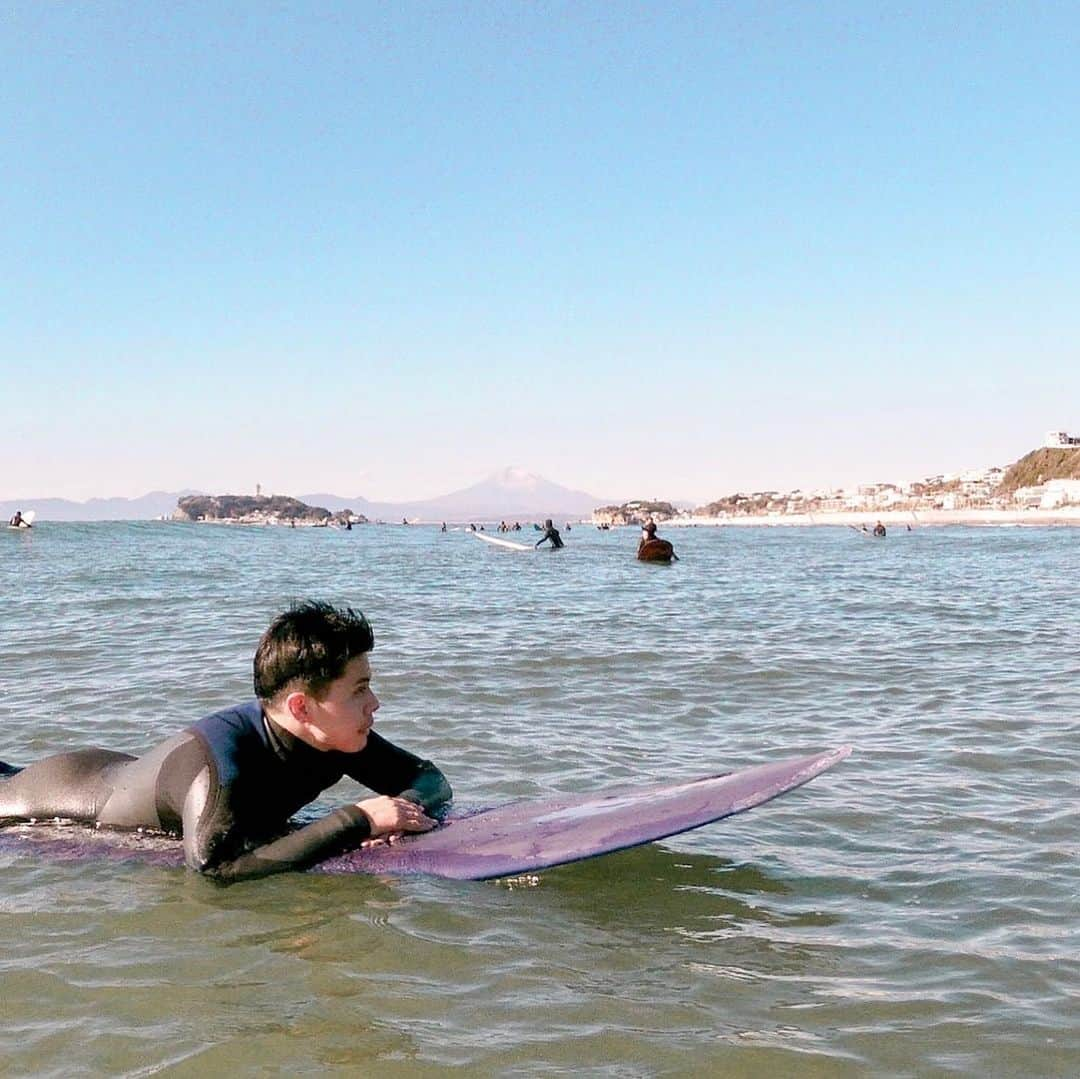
(296, 704)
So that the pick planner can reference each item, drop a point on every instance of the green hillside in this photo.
(1041, 465)
(231, 507)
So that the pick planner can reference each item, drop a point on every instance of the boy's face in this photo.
(344, 715)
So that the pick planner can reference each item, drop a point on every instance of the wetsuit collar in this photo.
(287, 747)
(284, 743)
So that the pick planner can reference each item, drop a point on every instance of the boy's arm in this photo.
(212, 847)
(389, 769)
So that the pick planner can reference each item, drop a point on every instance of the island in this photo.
(261, 510)
(636, 512)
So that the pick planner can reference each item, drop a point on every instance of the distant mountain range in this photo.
(147, 508)
(509, 494)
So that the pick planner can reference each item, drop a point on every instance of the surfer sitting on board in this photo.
(17, 520)
(230, 783)
(550, 533)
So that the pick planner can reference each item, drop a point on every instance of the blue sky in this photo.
(643, 250)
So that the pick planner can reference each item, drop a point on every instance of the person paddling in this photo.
(230, 783)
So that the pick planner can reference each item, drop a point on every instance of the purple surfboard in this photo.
(516, 838)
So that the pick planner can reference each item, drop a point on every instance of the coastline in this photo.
(894, 519)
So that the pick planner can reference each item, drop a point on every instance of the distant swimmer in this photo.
(229, 784)
(443, 529)
(17, 520)
(550, 533)
(651, 549)
(879, 530)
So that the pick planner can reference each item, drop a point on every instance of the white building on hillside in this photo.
(1060, 493)
(1060, 440)
(1049, 495)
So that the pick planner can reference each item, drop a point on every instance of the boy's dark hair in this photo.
(309, 646)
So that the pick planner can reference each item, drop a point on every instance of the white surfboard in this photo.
(508, 544)
(27, 520)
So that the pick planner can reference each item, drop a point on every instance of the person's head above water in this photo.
(307, 648)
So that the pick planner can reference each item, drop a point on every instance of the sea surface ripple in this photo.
(913, 912)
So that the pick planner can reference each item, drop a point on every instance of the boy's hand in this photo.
(394, 815)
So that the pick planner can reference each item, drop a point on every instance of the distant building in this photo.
(1060, 440)
(1049, 495)
(1060, 493)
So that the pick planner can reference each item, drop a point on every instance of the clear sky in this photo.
(645, 250)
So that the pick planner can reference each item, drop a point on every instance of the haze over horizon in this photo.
(661, 253)
(509, 477)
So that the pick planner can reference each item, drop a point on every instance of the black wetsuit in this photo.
(229, 784)
(550, 534)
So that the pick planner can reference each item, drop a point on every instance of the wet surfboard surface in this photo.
(517, 838)
(495, 541)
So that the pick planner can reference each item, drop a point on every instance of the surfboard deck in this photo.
(496, 541)
(518, 838)
(655, 550)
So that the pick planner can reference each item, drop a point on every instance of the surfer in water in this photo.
(230, 783)
(17, 520)
(550, 533)
(651, 549)
(879, 530)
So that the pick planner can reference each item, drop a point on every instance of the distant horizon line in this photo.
(185, 491)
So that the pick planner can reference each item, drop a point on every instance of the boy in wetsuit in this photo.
(230, 783)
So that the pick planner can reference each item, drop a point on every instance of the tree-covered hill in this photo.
(235, 507)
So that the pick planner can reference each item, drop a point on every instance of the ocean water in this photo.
(915, 911)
